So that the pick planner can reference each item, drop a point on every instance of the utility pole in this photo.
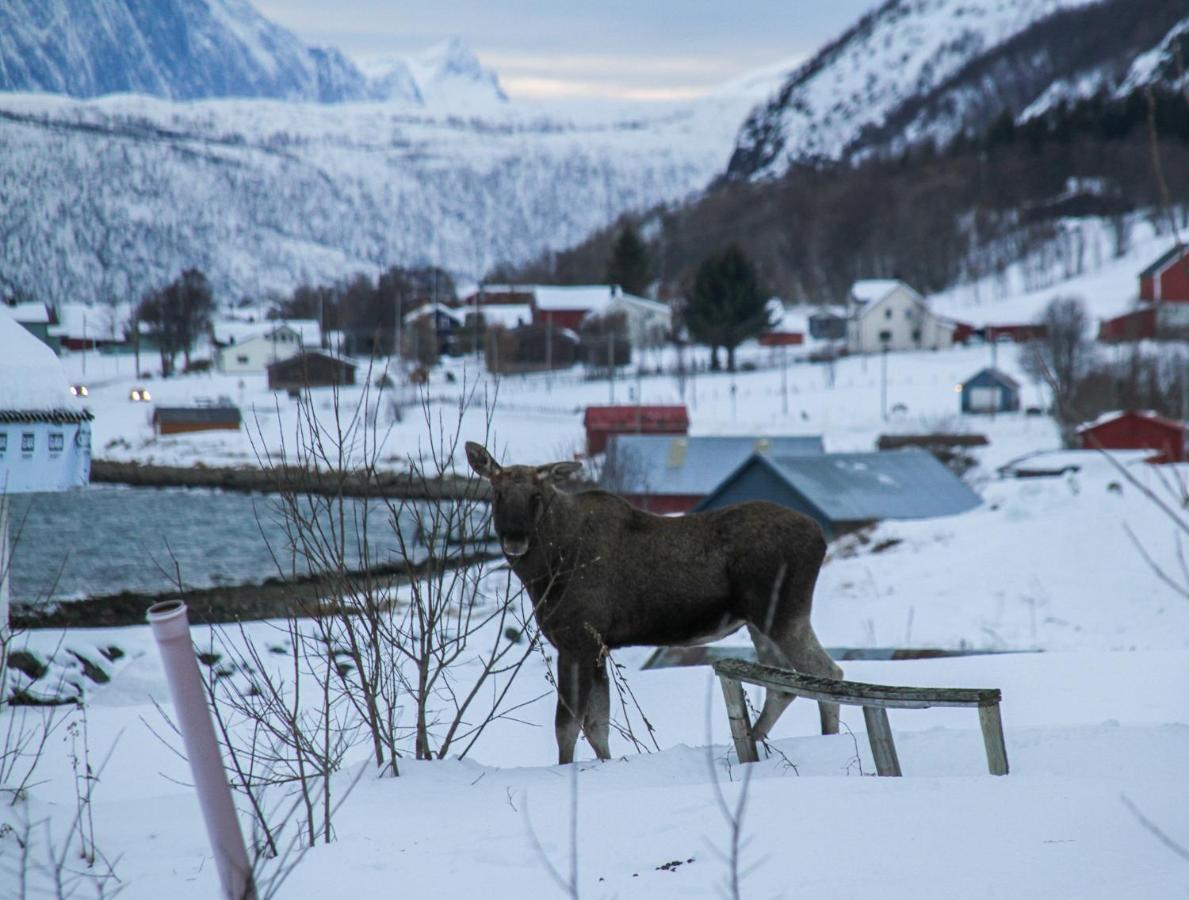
(784, 378)
(883, 392)
(611, 362)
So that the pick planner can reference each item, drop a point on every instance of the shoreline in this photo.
(271, 599)
(285, 479)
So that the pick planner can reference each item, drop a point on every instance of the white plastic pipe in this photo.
(171, 628)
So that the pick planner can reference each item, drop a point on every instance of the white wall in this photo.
(903, 320)
(258, 353)
(59, 458)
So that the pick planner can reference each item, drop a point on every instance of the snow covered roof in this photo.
(507, 315)
(872, 289)
(1150, 415)
(590, 297)
(421, 312)
(1172, 255)
(237, 331)
(32, 378)
(30, 313)
(98, 323)
(786, 319)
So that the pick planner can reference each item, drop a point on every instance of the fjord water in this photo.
(106, 539)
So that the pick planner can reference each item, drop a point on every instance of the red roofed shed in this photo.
(1137, 430)
(603, 421)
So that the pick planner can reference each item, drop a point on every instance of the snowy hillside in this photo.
(916, 69)
(116, 195)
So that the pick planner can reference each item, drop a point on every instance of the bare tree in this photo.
(1061, 356)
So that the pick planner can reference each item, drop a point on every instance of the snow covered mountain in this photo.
(446, 75)
(176, 49)
(112, 196)
(928, 69)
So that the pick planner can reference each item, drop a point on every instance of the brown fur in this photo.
(603, 574)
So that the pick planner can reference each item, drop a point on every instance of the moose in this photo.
(603, 574)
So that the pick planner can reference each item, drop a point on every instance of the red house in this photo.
(1137, 430)
(781, 339)
(1167, 279)
(1137, 325)
(603, 421)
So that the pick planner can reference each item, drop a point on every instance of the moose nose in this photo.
(514, 547)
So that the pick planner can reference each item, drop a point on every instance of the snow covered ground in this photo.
(1094, 707)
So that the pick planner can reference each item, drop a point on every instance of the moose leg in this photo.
(574, 682)
(809, 656)
(797, 649)
(597, 723)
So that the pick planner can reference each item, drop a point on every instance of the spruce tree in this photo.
(727, 305)
(629, 265)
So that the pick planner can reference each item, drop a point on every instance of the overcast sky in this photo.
(572, 48)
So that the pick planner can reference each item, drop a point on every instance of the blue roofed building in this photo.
(990, 391)
(665, 473)
(844, 491)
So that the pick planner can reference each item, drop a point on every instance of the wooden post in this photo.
(879, 733)
(745, 745)
(992, 725)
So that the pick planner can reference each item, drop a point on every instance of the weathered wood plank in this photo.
(883, 748)
(853, 693)
(745, 745)
(992, 725)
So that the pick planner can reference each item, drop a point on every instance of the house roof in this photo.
(30, 313)
(870, 290)
(300, 359)
(1145, 414)
(785, 319)
(95, 323)
(590, 297)
(421, 312)
(206, 415)
(1173, 253)
(506, 315)
(32, 379)
(859, 487)
(993, 374)
(666, 465)
(237, 331)
(630, 416)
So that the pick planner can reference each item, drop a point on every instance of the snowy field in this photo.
(1094, 707)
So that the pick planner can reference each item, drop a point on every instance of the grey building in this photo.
(844, 491)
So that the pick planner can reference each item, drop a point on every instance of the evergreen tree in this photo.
(727, 305)
(629, 265)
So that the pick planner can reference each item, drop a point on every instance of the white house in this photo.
(887, 314)
(45, 434)
(250, 350)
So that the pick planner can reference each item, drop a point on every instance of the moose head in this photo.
(520, 495)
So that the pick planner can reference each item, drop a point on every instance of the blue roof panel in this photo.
(677, 465)
(898, 484)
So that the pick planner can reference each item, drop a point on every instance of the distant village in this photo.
(647, 452)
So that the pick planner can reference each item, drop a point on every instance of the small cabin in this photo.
(845, 491)
(603, 421)
(311, 369)
(1167, 279)
(1137, 430)
(183, 419)
(663, 473)
(990, 391)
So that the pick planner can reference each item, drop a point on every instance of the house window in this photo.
(885, 337)
(28, 442)
(56, 442)
(916, 335)
(887, 314)
(242, 359)
(3, 441)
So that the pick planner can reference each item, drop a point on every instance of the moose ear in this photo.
(481, 461)
(560, 471)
